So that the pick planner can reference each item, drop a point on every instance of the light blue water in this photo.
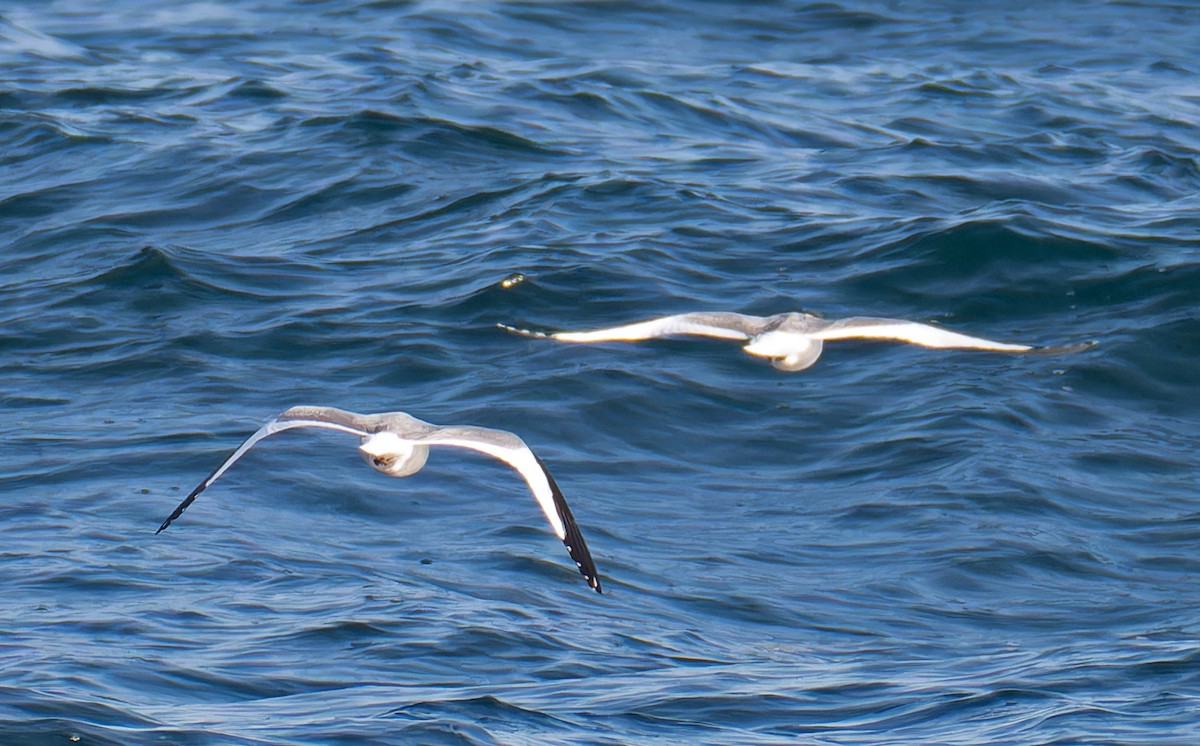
(213, 211)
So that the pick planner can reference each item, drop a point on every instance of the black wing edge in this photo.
(190, 498)
(574, 542)
(520, 331)
(290, 415)
(1066, 349)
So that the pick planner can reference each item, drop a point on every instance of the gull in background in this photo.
(397, 444)
(791, 341)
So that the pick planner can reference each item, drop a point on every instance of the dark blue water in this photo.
(211, 211)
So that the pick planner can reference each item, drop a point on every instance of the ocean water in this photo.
(211, 211)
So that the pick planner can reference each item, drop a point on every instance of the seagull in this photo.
(397, 444)
(790, 341)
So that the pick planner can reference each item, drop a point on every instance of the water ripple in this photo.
(213, 212)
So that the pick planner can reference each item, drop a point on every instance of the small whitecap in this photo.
(516, 278)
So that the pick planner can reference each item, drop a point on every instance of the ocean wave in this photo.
(212, 213)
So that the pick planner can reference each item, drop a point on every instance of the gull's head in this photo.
(790, 351)
(797, 360)
(389, 453)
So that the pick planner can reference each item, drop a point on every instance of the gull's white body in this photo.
(791, 341)
(397, 444)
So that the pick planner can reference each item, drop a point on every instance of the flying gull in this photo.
(397, 444)
(790, 341)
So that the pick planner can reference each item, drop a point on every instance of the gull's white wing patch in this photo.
(926, 335)
(720, 325)
(324, 417)
(512, 450)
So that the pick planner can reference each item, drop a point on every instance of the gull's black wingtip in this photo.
(178, 511)
(577, 548)
(527, 333)
(1067, 349)
(593, 580)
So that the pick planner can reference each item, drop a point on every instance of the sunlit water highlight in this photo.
(212, 211)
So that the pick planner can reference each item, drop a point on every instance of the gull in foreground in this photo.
(790, 341)
(398, 445)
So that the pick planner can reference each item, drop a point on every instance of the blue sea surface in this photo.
(212, 211)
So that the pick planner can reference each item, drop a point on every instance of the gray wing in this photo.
(325, 417)
(715, 324)
(513, 451)
(926, 335)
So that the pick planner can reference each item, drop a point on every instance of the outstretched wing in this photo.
(326, 417)
(720, 325)
(926, 335)
(513, 451)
